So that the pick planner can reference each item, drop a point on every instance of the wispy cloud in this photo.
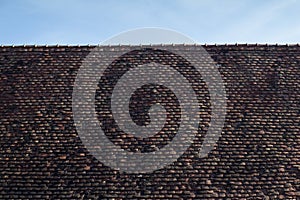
(261, 23)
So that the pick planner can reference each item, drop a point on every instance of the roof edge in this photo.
(95, 45)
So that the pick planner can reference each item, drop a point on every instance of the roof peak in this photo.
(126, 45)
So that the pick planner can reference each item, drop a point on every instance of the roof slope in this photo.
(257, 156)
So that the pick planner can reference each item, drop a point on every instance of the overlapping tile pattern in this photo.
(257, 156)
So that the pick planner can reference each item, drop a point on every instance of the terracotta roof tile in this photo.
(257, 156)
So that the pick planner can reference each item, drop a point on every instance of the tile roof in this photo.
(256, 157)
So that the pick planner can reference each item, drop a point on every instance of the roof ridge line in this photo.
(129, 45)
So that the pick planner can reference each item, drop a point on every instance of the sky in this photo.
(84, 22)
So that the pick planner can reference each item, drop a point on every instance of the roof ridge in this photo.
(128, 45)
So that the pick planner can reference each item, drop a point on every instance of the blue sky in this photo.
(92, 21)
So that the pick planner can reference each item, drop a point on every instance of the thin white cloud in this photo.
(254, 27)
